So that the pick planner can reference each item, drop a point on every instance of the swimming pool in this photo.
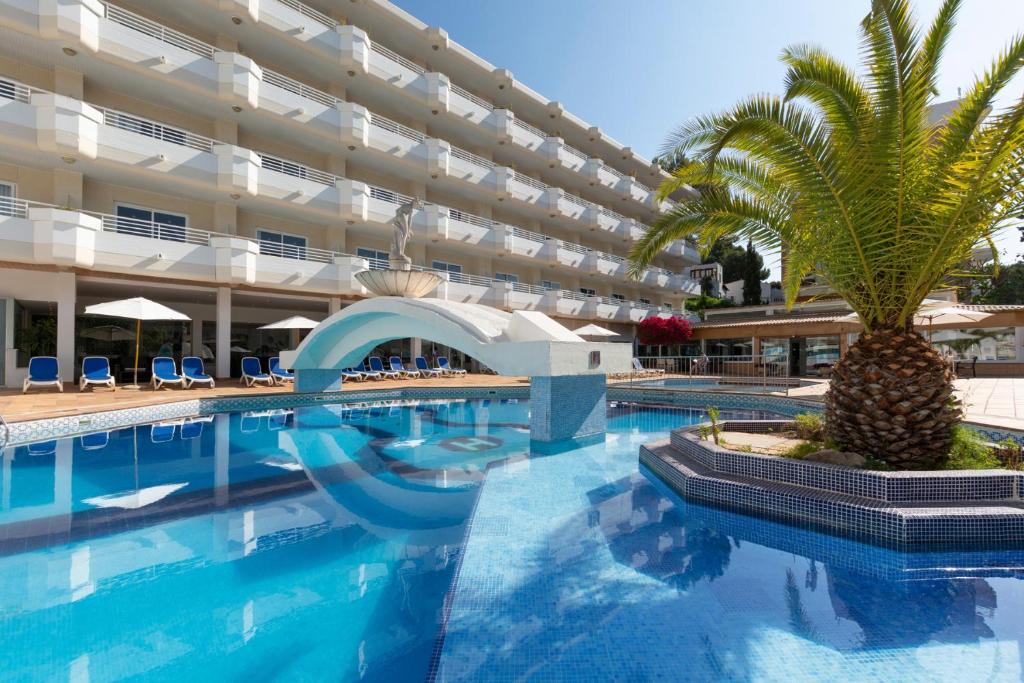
(699, 384)
(417, 542)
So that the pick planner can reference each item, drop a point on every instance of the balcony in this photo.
(109, 143)
(277, 102)
(319, 35)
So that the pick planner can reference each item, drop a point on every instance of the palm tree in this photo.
(850, 177)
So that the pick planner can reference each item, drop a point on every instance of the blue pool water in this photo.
(427, 542)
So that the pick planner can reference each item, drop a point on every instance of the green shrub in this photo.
(801, 451)
(809, 426)
(969, 452)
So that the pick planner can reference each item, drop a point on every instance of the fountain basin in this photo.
(392, 282)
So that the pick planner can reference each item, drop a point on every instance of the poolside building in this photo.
(240, 162)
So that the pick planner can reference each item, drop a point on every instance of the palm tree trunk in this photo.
(891, 398)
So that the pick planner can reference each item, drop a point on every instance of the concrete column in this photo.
(68, 82)
(223, 350)
(197, 336)
(67, 188)
(567, 407)
(225, 218)
(417, 347)
(333, 305)
(226, 130)
(66, 325)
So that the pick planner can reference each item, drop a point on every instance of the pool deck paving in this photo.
(993, 401)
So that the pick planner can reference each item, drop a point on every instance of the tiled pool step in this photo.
(895, 524)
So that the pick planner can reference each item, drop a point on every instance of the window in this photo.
(618, 297)
(550, 284)
(741, 347)
(588, 291)
(143, 222)
(377, 259)
(667, 306)
(281, 244)
(987, 344)
(506, 277)
(446, 267)
(8, 192)
(646, 302)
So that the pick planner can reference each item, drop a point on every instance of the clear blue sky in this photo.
(639, 68)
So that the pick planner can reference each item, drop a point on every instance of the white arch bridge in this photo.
(564, 370)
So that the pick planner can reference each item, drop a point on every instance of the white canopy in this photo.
(138, 308)
(107, 333)
(595, 331)
(296, 322)
(934, 312)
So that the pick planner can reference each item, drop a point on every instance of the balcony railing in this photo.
(387, 124)
(520, 233)
(310, 13)
(158, 31)
(526, 288)
(460, 153)
(296, 169)
(529, 128)
(300, 253)
(530, 182)
(456, 215)
(157, 131)
(388, 196)
(153, 229)
(298, 88)
(19, 92)
(465, 94)
(397, 58)
(572, 151)
(573, 247)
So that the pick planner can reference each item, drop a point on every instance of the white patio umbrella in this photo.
(137, 309)
(296, 322)
(595, 331)
(934, 312)
(108, 333)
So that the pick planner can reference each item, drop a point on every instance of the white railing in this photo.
(614, 215)
(157, 131)
(310, 13)
(468, 279)
(460, 153)
(525, 288)
(396, 128)
(395, 57)
(465, 94)
(13, 90)
(573, 199)
(388, 195)
(152, 229)
(158, 31)
(520, 233)
(615, 173)
(12, 207)
(576, 153)
(292, 251)
(296, 170)
(462, 216)
(611, 257)
(298, 88)
(570, 294)
(573, 247)
(530, 129)
(527, 180)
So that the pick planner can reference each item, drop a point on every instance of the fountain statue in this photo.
(403, 230)
(399, 279)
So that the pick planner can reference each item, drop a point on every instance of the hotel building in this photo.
(241, 160)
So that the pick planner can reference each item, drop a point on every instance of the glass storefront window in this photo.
(985, 344)
(733, 348)
(775, 346)
(822, 351)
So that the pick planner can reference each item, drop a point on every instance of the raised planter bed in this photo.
(973, 508)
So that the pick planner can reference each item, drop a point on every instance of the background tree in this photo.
(753, 274)
(848, 173)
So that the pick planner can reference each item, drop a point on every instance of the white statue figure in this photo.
(403, 230)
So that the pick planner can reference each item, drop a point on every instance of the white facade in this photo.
(247, 158)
